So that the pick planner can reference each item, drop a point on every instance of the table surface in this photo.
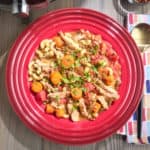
(14, 135)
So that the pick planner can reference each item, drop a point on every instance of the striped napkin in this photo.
(130, 128)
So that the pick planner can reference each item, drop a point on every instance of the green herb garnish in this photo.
(84, 89)
(102, 63)
(77, 63)
(57, 98)
(94, 69)
(65, 80)
(74, 108)
(95, 50)
(87, 76)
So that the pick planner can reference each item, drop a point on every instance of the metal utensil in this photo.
(141, 35)
(129, 6)
(20, 7)
(138, 2)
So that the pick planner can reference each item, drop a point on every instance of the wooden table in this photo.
(14, 135)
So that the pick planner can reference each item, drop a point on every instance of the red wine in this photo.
(32, 2)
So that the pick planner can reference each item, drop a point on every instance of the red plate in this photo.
(63, 130)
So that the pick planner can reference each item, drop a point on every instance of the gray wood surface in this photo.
(14, 135)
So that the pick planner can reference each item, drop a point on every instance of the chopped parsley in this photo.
(65, 80)
(77, 63)
(57, 98)
(84, 89)
(102, 63)
(94, 68)
(95, 49)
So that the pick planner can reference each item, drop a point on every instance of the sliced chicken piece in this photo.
(107, 88)
(54, 104)
(95, 115)
(75, 116)
(48, 86)
(102, 100)
(83, 109)
(60, 95)
(70, 108)
(106, 93)
(77, 37)
(69, 41)
(92, 96)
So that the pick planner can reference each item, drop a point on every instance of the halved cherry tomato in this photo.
(41, 96)
(89, 86)
(112, 55)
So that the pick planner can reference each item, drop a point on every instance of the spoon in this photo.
(141, 36)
